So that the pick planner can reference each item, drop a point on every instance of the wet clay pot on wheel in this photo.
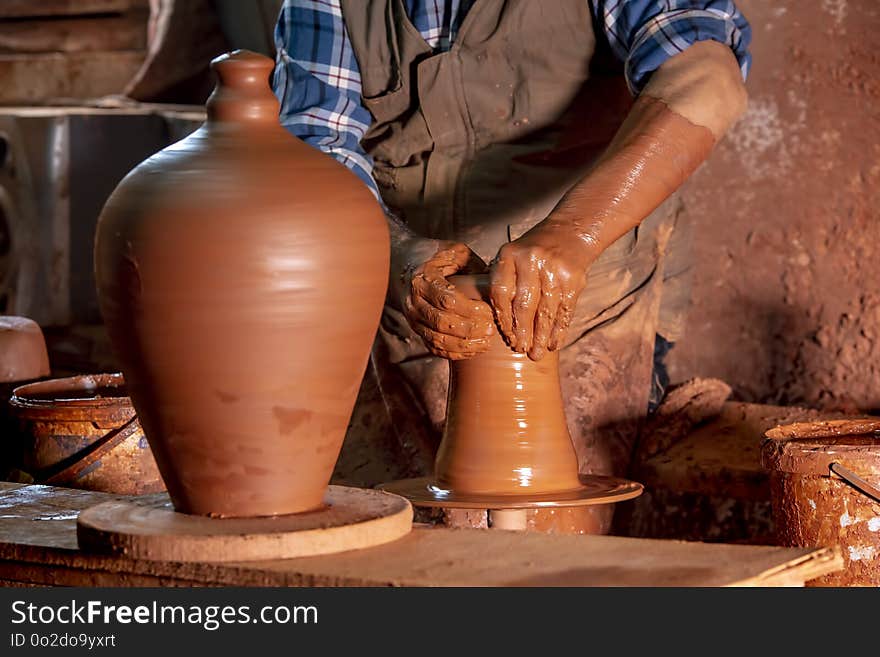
(241, 275)
(505, 424)
(506, 444)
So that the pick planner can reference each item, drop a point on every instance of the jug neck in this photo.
(243, 93)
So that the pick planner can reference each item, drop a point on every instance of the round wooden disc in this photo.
(148, 527)
(594, 489)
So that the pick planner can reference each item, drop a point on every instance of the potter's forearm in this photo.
(654, 154)
(536, 280)
(687, 106)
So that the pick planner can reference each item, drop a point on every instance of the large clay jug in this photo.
(241, 274)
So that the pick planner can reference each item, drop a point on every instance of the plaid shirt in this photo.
(319, 85)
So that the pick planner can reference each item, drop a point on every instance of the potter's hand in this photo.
(689, 103)
(535, 284)
(452, 325)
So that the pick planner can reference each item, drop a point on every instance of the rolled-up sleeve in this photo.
(318, 83)
(645, 33)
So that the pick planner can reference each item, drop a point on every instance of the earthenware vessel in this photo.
(23, 358)
(241, 274)
(505, 421)
(82, 432)
(825, 491)
(23, 355)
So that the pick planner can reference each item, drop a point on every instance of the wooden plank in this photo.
(38, 546)
(46, 8)
(74, 35)
(36, 78)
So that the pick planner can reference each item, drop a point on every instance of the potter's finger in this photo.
(545, 316)
(502, 283)
(564, 315)
(450, 355)
(443, 260)
(450, 323)
(443, 295)
(462, 260)
(449, 260)
(448, 343)
(432, 287)
(463, 257)
(525, 305)
(418, 311)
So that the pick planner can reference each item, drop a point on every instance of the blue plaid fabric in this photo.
(318, 83)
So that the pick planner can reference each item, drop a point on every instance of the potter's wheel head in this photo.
(593, 489)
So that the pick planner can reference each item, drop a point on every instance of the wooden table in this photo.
(38, 547)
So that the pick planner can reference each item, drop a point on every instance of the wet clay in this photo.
(23, 355)
(241, 274)
(505, 428)
(652, 154)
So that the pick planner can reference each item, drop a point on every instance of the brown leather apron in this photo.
(478, 144)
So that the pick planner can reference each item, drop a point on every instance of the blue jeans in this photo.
(660, 378)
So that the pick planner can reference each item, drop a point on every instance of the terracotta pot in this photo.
(814, 505)
(241, 275)
(23, 358)
(23, 355)
(505, 421)
(82, 432)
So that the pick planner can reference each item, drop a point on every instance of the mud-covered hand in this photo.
(452, 325)
(535, 284)
(689, 103)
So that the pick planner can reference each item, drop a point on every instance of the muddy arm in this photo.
(687, 106)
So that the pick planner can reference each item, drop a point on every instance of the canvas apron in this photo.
(477, 145)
